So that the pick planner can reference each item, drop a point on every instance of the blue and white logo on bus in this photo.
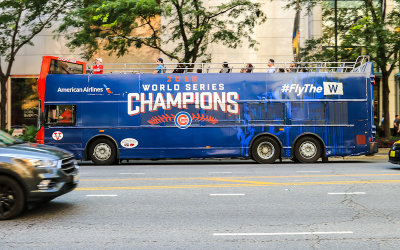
(183, 120)
(129, 143)
(333, 88)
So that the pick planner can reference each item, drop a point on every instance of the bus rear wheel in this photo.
(265, 150)
(102, 152)
(308, 149)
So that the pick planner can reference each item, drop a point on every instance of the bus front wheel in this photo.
(308, 150)
(265, 150)
(102, 152)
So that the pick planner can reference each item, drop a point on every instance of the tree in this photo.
(370, 27)
(20, 22)
(191, 26)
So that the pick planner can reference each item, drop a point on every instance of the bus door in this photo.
(57, 66)
(62, 119)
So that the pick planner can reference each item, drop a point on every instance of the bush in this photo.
(384, 142)
(29, 133)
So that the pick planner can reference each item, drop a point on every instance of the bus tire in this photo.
(265, 150)
(307, 149)
(12, 198)
(102, 151)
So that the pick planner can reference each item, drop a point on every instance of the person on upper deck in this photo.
(271, 66)
(179, 69)
(97, 67)
(160, 66)
(248, 69)
(292, 67)
(225, 68)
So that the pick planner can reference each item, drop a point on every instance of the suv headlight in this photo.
(43, 163)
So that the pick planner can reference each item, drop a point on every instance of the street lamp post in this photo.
(336, 33)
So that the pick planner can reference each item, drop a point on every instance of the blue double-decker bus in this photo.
(306, 114)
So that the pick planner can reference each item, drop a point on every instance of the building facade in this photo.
(274, 39)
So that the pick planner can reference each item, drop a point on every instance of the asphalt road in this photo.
(343, 204)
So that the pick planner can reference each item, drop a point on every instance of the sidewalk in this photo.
(382, 154)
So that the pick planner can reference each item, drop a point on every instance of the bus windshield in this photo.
(62, 67)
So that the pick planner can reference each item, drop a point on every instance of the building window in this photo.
(24, 101)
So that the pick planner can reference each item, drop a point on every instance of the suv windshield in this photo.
(6, 139)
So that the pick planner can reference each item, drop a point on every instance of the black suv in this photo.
(31, 172)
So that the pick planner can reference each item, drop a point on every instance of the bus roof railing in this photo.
(124, 68)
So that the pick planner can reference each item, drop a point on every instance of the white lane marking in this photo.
(101, 195)
(131, 173)
(220, 172)
(227, 194)
(349, 193)
(278, 234)
(308, 171)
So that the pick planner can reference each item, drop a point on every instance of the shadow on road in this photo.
(51, 209)
(224, 162)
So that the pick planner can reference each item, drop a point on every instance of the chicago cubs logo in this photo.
(183, 120)
(58, 135)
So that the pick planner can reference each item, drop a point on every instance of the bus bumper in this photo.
(373, 148)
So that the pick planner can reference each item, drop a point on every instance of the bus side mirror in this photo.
(42, 118)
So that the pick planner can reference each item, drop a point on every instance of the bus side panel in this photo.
(70, 139)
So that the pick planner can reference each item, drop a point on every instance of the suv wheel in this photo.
(12, 198)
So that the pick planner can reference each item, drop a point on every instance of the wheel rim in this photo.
(266, 150)
(308, 149)
(7, 199)
(102, 151)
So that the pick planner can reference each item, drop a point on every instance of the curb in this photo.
(382, 154)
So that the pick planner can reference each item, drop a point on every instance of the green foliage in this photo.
(28, 134)
(322, 49)
(20, 22)
(364, 30)
(384, 142)
(116, 25)
(369, 29)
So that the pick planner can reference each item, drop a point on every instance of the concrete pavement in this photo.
(382, 154)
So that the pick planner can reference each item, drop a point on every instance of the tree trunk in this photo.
(385, 104)
(3, 86)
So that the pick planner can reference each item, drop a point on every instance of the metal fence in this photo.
(280, 67)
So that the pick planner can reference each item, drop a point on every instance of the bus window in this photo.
(217, 118)
(338, 113)
(61, 115)
(308, 113)
(267, 112)
(62, 67)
